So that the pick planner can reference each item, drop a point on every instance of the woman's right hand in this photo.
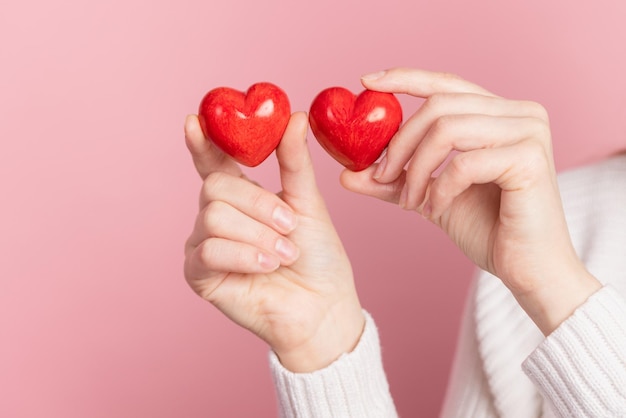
(271, 263)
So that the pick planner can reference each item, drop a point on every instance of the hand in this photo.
(495, 193)
(273, 263)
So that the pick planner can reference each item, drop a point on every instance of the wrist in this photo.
(338, 332)
(556, 300)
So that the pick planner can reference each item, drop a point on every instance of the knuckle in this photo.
(213, 215)
(460, 165)
(395, 71)
(260, 200)
(443, 80)
(457, 171)
(434, 103)
(437, 193)
(212, 182)
(535, 162)
(541, 131)
(442, 125)
(458, 174)
(435, 100)
(537, 110)
(460, 169)
(206, 253)
(440, 193)
(443, 75)
(534, 151)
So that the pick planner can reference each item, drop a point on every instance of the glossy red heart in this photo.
(247, 126)
(354, 129)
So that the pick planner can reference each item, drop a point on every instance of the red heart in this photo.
(247, 126)
(354, 130)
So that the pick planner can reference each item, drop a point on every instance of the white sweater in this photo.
(504, 367)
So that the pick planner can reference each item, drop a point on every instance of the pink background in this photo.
(98, 193)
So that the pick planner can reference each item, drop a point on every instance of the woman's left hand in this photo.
(481, 168)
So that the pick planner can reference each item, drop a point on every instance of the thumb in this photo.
(296, 168)
(206, 156)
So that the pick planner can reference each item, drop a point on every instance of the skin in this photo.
(300, 300)
(495, 196)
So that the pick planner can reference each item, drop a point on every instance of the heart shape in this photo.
(247, 126)
(354, 130)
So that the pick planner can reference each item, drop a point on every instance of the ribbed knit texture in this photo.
(468, 394)
(581, 366)
(594, 200)
(505, 336)
(578, 371)
(353, 386)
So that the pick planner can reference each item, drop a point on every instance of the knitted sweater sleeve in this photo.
(468, 394)
(581, 367)
(354, 385)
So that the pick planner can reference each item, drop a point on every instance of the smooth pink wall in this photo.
(98, 193)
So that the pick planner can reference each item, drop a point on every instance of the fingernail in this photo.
(403, 197)
(268, 262)
(286, 249)
(381, 167)
(284, 218)
(373, 76)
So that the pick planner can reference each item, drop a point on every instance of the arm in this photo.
(497, 198)
(271, 263)
(480, 167)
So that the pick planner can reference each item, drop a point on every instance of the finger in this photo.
(296, 168)
(218, 255)
(419, 83)
(512, 168)
(463, 133)
(220, 220)
(362, 182)
(403, 145)
(250, 199)
(206, 156)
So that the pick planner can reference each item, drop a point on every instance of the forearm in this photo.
(558, 297)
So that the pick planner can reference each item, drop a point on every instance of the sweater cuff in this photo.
(354, 385)
(581, 366)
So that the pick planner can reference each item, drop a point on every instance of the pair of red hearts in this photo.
(249, 126)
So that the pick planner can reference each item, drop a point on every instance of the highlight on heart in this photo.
(353, 129)
(248, 126)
